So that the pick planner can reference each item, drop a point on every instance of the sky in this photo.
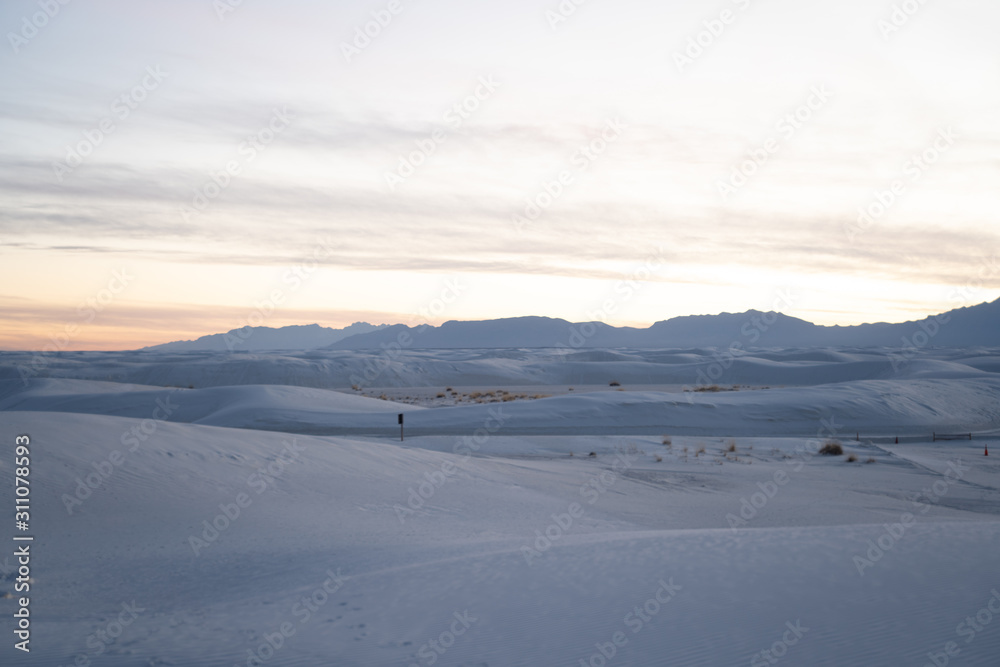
(175, 169)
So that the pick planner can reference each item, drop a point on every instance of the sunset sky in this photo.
(172, 169)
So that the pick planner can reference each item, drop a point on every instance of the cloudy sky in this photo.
(172, 169)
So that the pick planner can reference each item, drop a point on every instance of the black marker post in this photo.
(401, 427)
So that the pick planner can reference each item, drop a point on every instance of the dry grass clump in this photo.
(667, 441)
(851, 458)
(831, 448)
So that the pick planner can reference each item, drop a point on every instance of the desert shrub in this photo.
(667, 441)
(659, 459)
(440, 396)
(831, 448)
(592, 454)
(870, 459)
(631, 448)
(851, 458)
(731, 445)
(614, 383)
(448, 389)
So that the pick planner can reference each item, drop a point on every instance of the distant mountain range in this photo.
(257, 339)
(964, 327)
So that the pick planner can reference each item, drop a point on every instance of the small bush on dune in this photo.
(870, 459)
(851, 458)
(831, 448)
(731, 445)
(667, 441)
(614, 383)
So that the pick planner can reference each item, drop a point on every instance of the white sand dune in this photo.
(875, 407)
(335, 369)
(499, 547)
